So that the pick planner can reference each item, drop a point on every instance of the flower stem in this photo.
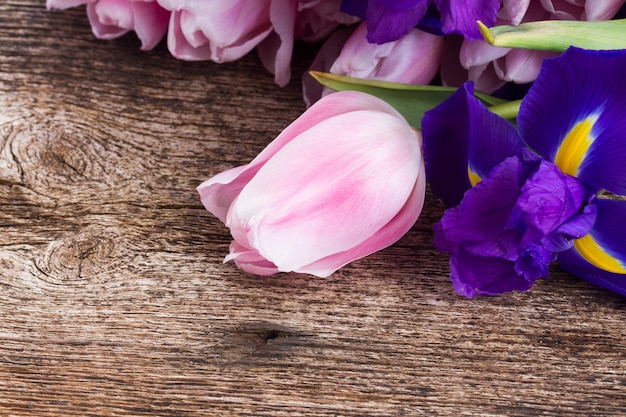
(508, 110)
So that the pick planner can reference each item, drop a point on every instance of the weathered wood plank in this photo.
(114, 300)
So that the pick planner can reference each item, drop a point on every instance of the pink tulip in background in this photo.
(490, 67)
(344, 180)
(413, 59)
(111, 19)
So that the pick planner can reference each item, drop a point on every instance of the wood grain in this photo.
(114, 300)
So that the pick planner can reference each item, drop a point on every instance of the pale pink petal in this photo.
(109, 19)
(250, 260)
(385, 237)
(218, 192)
(413, 59)
(217, 30)
(475, 53)
(512, 12)
(562, 9)
(275, 51)
(150, 22)
(485, 78)
(601, 9)
(183, 46)
(522, 66)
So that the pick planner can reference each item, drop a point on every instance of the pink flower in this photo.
(218, 30)
(111, 19)
(344, 180)
(490, 67)
(413, 59)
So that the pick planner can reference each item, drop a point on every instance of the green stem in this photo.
(508, 110)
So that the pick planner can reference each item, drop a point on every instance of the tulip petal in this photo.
(387, 235)
(573, 115)
(472, 146)
(150, 23)
(276, 49)
(250, 260)
(294, 213)
(218, 192)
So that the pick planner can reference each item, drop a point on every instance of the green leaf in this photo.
(412, 101)
(558, 35)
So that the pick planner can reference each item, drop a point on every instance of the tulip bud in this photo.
(344, 180)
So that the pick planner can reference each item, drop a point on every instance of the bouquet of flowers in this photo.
(513, 112)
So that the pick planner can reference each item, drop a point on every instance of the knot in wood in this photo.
(90, 255)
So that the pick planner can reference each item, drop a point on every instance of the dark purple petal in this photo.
(548, 200)
(479, 223)
(474, 275)
(610, 227)
(354, 7)
(460, 16)
(533, 262)
(389, 20)
(574, 114)
(572, 262)
(476, 139)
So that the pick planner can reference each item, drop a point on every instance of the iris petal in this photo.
(461, 153)
(460, 16)
(600, 257)
(574, 115)
(474, 275)
(609, 233)
(389, 20)
(480, 224)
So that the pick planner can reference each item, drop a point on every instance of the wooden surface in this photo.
(114, 299)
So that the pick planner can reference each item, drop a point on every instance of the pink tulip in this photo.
(344, 180)
(216, 30)
(111, 19)
(490, 67)
(413, 59)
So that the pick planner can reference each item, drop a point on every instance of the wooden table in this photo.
(114, 299)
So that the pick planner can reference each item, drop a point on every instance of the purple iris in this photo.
(554, 188)
(389, 20)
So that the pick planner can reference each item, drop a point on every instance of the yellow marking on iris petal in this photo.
(473, 177)
(574, 147)
(595, 255)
